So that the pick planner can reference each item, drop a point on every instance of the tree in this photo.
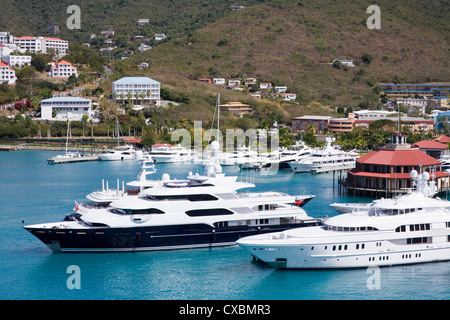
(337, 64)
(39, 61)
(366, 58)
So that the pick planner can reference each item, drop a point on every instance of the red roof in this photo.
(26, 37)
(47, 38)
(444, 139)
(2, 64)
(398, 158)
(64, 62)
(430, 144)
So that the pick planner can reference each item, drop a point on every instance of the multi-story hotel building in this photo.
(43, 44)
(140, 90)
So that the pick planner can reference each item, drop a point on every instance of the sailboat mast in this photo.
(218, 115)
(67, 138)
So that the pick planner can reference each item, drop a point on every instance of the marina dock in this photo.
(56, 160)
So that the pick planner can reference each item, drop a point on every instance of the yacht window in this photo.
(190, 197)
(208, 212)
(138, 211)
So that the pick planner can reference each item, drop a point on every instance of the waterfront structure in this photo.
(385, 172)
(66, 108)
(62, 69)
(139, 90)
(361, 119)
(7, 74)
(43, 44)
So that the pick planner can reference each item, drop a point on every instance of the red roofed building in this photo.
(62, 69)
(444, 139)
(43, 44)
(386, 172)
(7, 74)
(431, 148)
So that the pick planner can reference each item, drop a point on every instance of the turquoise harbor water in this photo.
(34, 192)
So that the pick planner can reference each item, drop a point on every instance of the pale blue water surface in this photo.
(35, 192)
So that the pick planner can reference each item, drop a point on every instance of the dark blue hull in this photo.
(151, 238)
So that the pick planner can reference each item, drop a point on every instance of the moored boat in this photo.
(199, 211)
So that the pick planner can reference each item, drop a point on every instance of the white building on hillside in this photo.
(140, 90)
(7, 74)
(6, 37)
(5, 50)
(62, 69)
(66, 108)
(43, 44)
(18, 61)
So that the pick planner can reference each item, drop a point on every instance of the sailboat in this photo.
(70, 155)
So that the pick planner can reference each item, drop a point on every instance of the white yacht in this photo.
(125, 152)
(200, 211)
(390, 233)
(162, 153)
(237, 156)
(329, 159)
(291, 155)
(445, 160)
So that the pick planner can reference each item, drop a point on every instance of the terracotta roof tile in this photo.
(398, 158)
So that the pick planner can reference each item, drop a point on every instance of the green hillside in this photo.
(286, 42)
(292, 43)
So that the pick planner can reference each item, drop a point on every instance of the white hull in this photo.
(171, 159)
(375, 253)
(116, 157)
(299, 167)
(414, 228)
